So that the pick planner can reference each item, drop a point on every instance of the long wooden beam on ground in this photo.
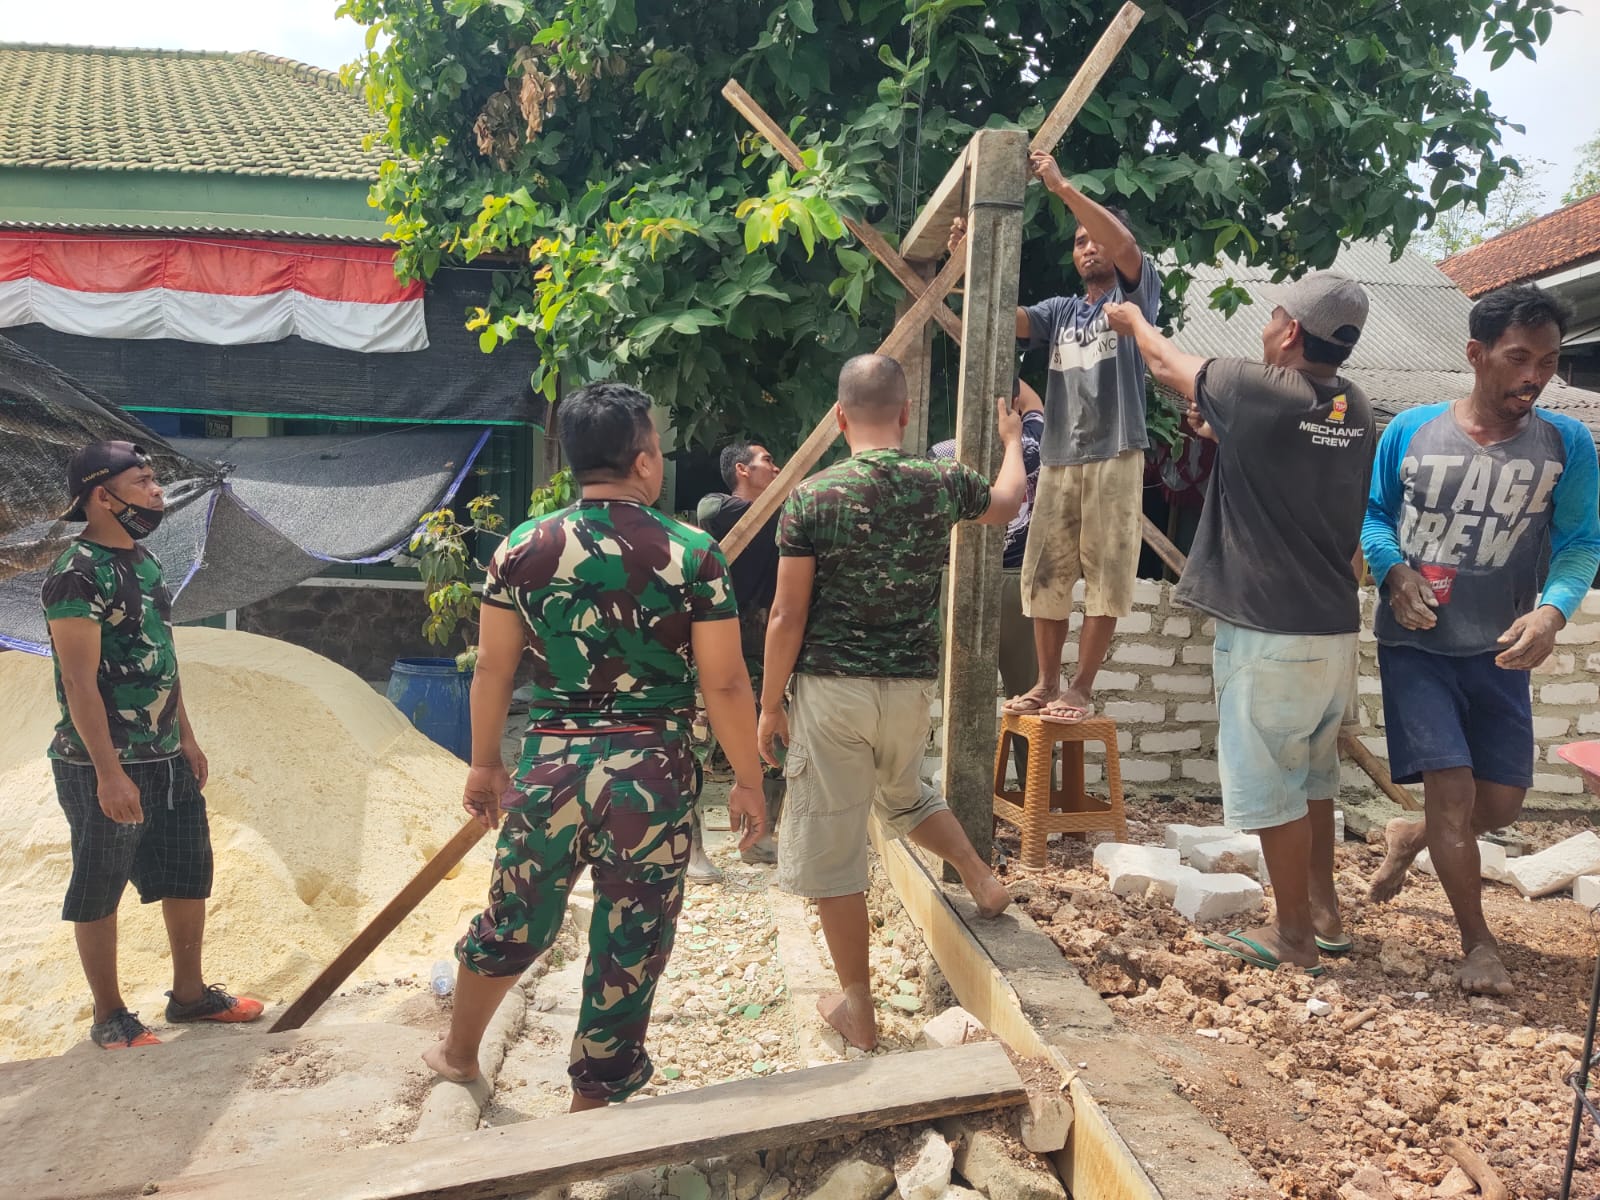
(866, 234)
(728, 1118)
(931, 229)
(908, 329)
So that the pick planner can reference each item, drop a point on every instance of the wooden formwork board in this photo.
(1133, 1137)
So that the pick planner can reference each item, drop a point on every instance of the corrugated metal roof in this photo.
(1412, 351)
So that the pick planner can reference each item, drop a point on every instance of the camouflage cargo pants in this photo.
(619, 803)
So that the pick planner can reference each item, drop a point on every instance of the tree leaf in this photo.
(800, 12)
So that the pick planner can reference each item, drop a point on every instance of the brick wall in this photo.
(1156, 684)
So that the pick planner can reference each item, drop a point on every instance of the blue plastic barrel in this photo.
(435, 697)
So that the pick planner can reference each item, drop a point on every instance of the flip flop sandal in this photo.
(1025, 706)
(1257, 955)
(1066, 714)
(1335, 948)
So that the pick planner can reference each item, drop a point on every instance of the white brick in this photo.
(1189, 685)
(1116, 681)
(1192, 712)
(1143, 654)
(1591, 664)
(1078, 591)
(1368, 685)
(1201, 770)
(1551, 755)
(1166, 743)
(1338, 824)
(1557, 664)
(1098, 750)
(1552, 869)
(1093, 773)
(1195, 656)
(952, 1027)
(1135, 622)
(1140, 770)
(1589, 722)
(1491, 862)
(1551, 727)
(1178, 627)
(1147, 592)
(1167, 889)
(1591, 603)
(1208, 628)
(1135, 712)
(1246, 847)
(1203, 897)
(1365, 634)
(1132, 869)
(1586, 890)
(1184, 838)
(1560, 785)
(1378, 745)
(1069, 652)
(1579, 634)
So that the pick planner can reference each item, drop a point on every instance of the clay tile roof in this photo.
(83, 108)
(1564, 238)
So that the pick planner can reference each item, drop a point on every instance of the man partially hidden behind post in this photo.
(623, 610)
(748, 469)
(856, 621)
(1273, 562)
(1468, 498)
(128, 769)
(1089, 505)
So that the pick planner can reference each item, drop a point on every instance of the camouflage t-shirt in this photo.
(138, 676)
(609, 590)
(878, 525)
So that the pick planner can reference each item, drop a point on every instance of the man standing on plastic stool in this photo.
(128, 769)
(1273, 563)
(1469, 499)
(624, 611)
(1088, 509)
(856, 621)
(748, 469)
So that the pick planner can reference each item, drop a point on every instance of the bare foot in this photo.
(1481, 972)
(858, 1028)
(1404, 840)
(1271, 939)
(1032, 700)
(448, 1068)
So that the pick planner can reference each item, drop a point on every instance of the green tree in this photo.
(583, 147)
(1519, 199)
(1586, 176)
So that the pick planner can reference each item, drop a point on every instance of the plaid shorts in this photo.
(167, 856)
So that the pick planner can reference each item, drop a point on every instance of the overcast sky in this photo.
(1552, 97)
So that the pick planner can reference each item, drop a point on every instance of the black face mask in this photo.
(140, 522)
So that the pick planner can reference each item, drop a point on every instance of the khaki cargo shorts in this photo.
(856, 746)
(1087, 524)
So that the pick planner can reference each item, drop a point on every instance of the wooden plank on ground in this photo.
(751, 1114)
(928, 233)
(380, 927)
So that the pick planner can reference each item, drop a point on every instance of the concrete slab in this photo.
(1184, 838)
(104, 1124)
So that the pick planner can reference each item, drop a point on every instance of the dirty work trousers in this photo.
(618, 802)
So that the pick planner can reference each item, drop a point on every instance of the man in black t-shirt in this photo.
(748, 469)
(1273, 563)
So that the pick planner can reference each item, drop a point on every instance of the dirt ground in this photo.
(1308, 1103)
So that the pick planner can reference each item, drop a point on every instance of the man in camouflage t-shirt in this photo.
(127, 767)
(624, 610)
(856, 620)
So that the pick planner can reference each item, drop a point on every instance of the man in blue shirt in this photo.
(1467, 499)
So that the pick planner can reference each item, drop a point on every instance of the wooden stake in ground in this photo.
(380, 927)
(998, 178)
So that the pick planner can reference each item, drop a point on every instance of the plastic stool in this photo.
(1039, 808)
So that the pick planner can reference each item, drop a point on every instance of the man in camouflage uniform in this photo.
(856, 621)
(128, 769)
(624, 610)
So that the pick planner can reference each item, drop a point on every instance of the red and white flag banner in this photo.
(225, 293)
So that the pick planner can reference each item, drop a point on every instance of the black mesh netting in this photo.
(246, 517)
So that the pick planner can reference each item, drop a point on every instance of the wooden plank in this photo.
(999, 175)
(1097, 1162)
(751, 1114)
(918, 364)
(871, 240)
(1377, 772)
(380, 927)
(928, 233)
(1162, 545)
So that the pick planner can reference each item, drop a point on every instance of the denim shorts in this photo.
(1281, 698)
(1442, 711)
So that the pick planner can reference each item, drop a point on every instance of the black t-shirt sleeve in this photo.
(1221, 390)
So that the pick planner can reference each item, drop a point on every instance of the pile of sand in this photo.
(323, 801)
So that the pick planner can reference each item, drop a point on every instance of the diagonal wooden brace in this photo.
(930, 299)
(867, 235)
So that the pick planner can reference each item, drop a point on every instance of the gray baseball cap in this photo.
(1327, 305)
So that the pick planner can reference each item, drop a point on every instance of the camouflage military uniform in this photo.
(878, 526)
(168, 855)
(609, 591)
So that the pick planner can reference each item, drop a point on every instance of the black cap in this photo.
(96, 463)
